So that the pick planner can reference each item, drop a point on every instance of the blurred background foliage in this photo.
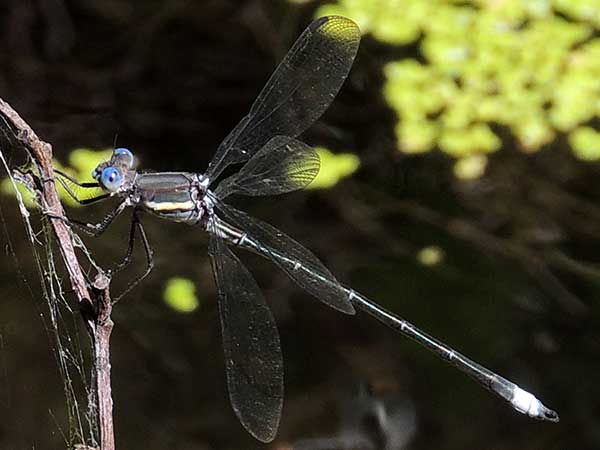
(459, 188)
(81, 162)
(530, 66)
(334, 167)
(180, 294)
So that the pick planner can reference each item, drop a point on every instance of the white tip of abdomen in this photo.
(527, 403)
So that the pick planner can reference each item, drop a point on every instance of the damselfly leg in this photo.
(96, 229)
(136, 225)
(64, 177)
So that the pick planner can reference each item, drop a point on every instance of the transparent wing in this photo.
(253, 361)
(294, 259)
(282, 165)
(297, 94)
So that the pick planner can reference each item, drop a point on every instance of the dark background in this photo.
(517, 289)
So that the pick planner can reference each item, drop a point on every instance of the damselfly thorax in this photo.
(176, 196)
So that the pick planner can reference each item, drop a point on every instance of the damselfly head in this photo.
(117, 173)
(124, 156)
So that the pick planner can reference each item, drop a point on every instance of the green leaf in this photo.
(85, 160)
(334, 167)
(532, 66)
(585, 142)
(470, 167)
(7, 188)
(180, 295)
(81, 163)
(431, 255)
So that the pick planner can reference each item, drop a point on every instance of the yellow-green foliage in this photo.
(84, 160)
(532, 66)
(180, 295)
(81, 163)
(8, 188)
(431, 255)
(334, 167)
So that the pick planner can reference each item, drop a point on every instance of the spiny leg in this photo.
(88, 185)
(21, 174)
(99, 228)
(93, 229)
(75, 181)
(136, 224)
(130, 244)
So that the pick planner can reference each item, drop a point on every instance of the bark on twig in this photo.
(103, 329)
(96, 308)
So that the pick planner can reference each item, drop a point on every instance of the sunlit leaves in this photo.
(393, 21)
(180, 295)
(84, 160)
(472, 139)
(431, 255)
(533, 132)
(584, 10)
(7, 188)
(416, 135)
(81, 163)
(334, 167)
(470, 167)
(530, 67)
(586, 143)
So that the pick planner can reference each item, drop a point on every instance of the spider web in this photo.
(62, 323)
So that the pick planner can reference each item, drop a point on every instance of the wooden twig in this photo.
(103, 330)
(95, 308)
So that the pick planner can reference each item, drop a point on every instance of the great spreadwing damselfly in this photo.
(272, 162)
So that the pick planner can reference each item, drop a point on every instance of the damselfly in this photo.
(272, 162)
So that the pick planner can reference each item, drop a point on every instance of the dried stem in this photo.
(95, 308)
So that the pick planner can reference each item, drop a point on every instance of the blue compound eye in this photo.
(111, 179)
(124, 155)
